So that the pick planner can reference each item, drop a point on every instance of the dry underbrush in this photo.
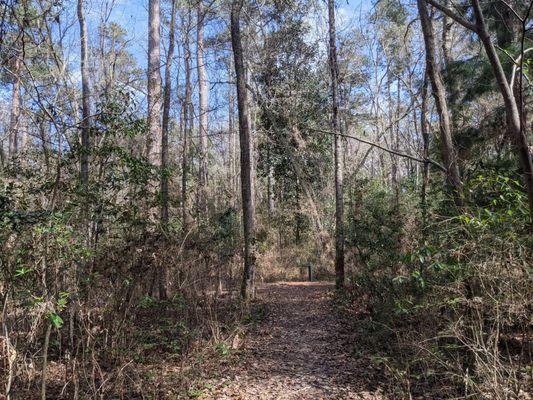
(450, 325)
(445, 307)
(115, 338)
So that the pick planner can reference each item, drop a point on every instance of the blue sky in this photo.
(133, 16)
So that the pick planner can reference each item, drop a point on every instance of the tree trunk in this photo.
(154, 83)
(339, 204)
(187, 123)
(451, 82)
(232, 142)
(44, 368)
(439, 94)
(270, 183)
(85, 97)
(251, 124)
(425, 138)
(14, 121)
(446, 41)
(166, 117)
(394, 128)
(203, 112)
(247, 288)
(164, 144)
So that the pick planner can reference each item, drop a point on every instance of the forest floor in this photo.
(297, 349)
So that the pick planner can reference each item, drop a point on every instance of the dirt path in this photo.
(296, 352)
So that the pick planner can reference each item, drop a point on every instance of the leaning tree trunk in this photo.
(439, 94)
(516, 129)
(335, 120)
(203, 112)
(85, 97)
(247, 288)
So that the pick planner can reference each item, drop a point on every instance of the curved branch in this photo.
(460, 20)
(380, 146)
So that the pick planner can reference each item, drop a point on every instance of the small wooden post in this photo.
(309, 271)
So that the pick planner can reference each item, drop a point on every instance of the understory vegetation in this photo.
(162, 161)
(443, 306)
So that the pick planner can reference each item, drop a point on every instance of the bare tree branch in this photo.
(380, 146)
(457, 18)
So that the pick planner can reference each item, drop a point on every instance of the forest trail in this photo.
(297, 351)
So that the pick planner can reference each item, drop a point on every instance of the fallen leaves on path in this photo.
(297, 352)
